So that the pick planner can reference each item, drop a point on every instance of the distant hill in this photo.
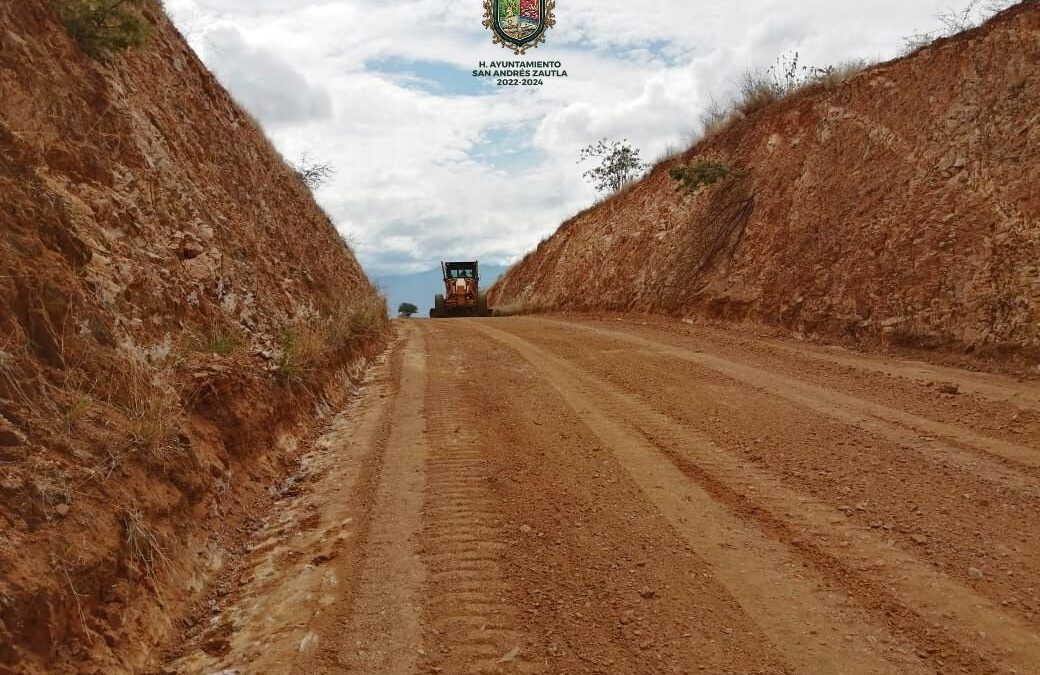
(420, 287)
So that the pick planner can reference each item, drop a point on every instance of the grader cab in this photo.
(462, 295)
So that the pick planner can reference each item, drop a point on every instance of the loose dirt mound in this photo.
(900, 206)
(173, 304)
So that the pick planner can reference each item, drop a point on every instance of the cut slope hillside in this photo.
(901, 206)
(173, 308)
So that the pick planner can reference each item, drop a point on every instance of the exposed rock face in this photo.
(172, 305)
(902, 205)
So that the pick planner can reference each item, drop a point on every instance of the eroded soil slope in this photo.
(901, 206)
(172, 305)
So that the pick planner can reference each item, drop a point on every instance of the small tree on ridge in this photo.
(619, 164)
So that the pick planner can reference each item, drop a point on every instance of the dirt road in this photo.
(539, 495)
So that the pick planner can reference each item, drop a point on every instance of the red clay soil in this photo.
(601, 495)
(167, 294)
(899, 207)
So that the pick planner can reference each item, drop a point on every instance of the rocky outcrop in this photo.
(173, 304)
(901, 206)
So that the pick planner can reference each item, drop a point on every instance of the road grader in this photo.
(462, 295)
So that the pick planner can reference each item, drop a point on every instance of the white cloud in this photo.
(265, 83)
(426, 170)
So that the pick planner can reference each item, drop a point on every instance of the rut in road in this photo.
(598, 580)
(384, 633)
(770, 583)
(469, 625)
(882, 419)
(970, 519)
(540, 496)
(911, 595)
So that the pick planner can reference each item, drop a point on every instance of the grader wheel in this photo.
(438, 310)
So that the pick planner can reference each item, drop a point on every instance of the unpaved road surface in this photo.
(545, 495)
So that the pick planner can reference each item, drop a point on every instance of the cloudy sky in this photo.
(432, 163)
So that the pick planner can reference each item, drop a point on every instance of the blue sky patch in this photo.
(508, 149)
(436, 77)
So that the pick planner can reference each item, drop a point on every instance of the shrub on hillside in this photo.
(102, 27)
(707, 172)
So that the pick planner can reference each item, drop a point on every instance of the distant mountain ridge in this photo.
(419, 288)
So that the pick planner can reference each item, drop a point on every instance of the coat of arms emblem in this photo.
(519, 24)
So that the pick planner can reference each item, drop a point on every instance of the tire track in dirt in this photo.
(998, 406)
(602, 582)
(469, 625)
(983, 454)
(946, 618)
(466, 519)
(780, 593)
(380, 631)
(970, 527)
(1026, 395)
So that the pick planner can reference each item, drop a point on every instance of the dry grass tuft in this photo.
(670, 153)
(142, 545)
(11, 378)
(225, 341)
(756, 92)
(51, 485)
(77, 411)
(60, 562)
(715, 119)
(510, 310)
(152, 409)
(759, 89)
(357, 319)
(832, 76)
(368, 317)
(222, 340)
(302, 346)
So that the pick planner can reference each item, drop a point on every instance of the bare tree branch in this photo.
(313, 174)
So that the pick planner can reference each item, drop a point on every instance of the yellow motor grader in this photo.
(462, 295)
